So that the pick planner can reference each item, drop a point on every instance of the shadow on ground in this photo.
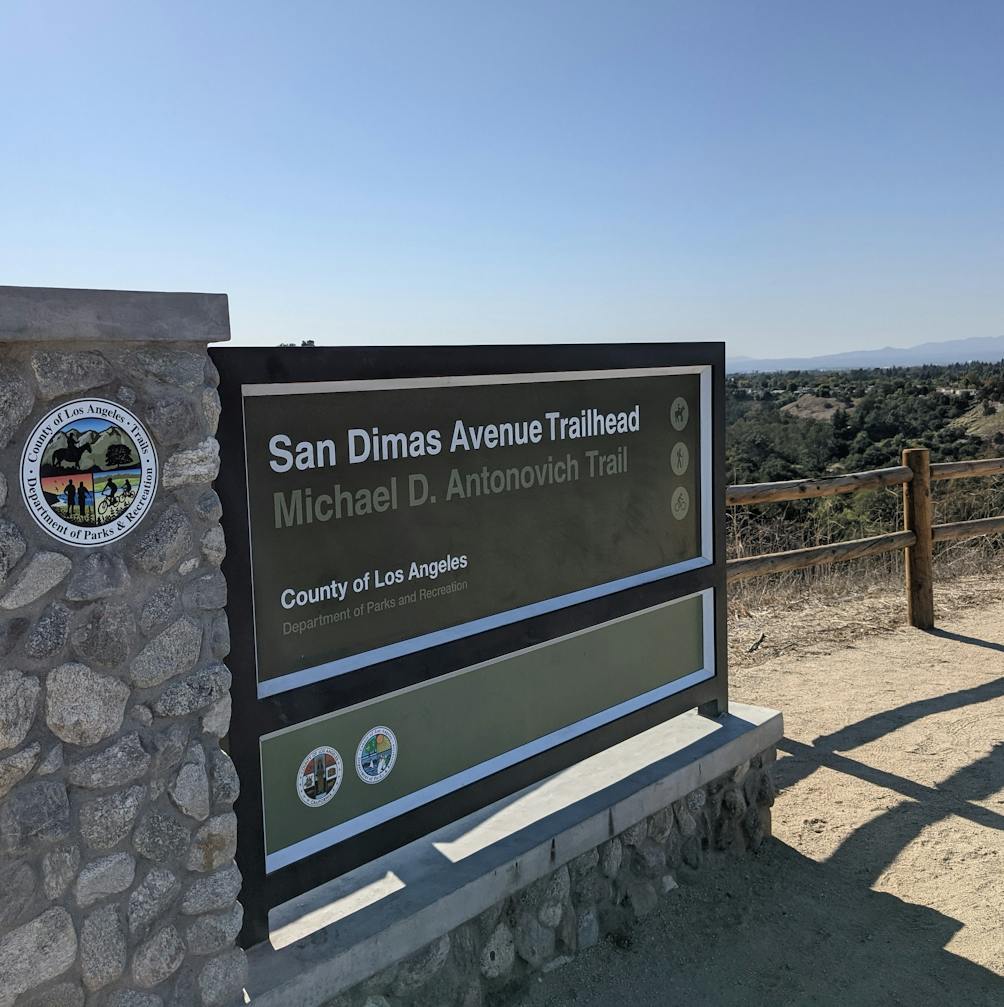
(777, 929)
(780, 928)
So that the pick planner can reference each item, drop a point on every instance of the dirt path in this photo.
(884, 883)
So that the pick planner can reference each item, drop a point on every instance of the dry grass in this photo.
(813, 407)
(977, 422)
(819, 610)
(799, 615)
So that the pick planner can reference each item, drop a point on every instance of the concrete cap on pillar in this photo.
(51, 314)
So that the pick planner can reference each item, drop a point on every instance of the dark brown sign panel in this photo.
(454, 571)
(388, 517)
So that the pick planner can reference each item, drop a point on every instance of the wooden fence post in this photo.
(917, 517)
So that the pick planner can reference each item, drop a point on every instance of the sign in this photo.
(88, 472)
(454, 571)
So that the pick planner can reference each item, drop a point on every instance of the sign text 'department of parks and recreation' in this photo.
(390, 516)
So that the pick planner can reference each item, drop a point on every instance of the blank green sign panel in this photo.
(340, 774)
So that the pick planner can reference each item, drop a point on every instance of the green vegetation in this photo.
(803, 424)
(875, 414)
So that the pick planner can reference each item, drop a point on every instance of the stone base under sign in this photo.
(465, 916)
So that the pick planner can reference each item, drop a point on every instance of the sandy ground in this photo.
(884, 882)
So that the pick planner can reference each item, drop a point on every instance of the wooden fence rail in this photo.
(967, 470)
(917, 538)
(803, 489)
(959, 530)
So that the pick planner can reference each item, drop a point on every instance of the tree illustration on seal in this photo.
(118, 456)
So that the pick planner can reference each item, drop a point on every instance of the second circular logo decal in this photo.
(376, 755)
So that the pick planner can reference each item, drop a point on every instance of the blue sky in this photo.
(791, 177)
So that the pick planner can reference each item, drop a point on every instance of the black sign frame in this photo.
(254, 717)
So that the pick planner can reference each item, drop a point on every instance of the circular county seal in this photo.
(319, 777)
(88, 472)
(376, 755)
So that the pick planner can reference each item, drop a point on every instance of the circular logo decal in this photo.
(319, 777)
(376, 755)
(679, 413)
(680, 503)
(88, 472)
(680, 458)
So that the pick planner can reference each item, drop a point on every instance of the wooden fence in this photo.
(916, 539)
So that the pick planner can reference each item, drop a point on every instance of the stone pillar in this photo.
(117, 833)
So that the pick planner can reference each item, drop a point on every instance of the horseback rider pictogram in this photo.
(72, 453)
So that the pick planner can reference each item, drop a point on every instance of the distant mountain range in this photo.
(955, 351)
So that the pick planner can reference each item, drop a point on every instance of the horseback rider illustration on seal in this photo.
(72, 453)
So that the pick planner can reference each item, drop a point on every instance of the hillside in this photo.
(814, 407)
(797, 424)
(982, 423)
